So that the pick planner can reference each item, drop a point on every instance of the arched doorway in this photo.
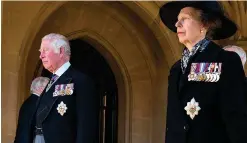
(86, 59)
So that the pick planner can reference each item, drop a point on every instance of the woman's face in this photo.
(189, 27)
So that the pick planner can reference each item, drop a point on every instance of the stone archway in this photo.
(130, 50)
(23, 22)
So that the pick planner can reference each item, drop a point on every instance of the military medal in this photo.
(208, 77)
(61, 108)
(56, 92)
(207, 72)
(63, 89)
(67, 92)
(62, 92)
(69, 89)
(217, 77)
(192, 74)
(204, 77)
(192, 108)
(200, 77)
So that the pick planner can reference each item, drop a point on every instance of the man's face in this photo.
(38, 85)
(49, 58)
(39, 89)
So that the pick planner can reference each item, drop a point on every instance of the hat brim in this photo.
(169, 12)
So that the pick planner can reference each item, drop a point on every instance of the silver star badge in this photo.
(61, 108)
(192, 108)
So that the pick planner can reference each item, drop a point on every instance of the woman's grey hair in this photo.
(57, 41)
(39, 82)
(238, 50)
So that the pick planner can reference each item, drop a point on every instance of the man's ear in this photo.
(62, 52)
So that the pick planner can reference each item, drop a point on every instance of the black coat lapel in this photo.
(174, 78)
(64, 79)
(174, 102)
(183, 81)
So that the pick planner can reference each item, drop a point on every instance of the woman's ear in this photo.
(204, 28)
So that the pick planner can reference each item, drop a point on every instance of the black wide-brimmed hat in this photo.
(170, 11)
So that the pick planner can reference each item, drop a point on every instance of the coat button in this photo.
(186, 127)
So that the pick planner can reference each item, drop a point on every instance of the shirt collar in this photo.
(201, 45)
(62, 69)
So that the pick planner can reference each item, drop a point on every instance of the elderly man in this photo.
(238, 50)
(22, 132)
(67, 111)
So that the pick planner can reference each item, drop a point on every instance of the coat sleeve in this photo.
(86, 110)
(19, 126)
(232, 101)
(23, 130)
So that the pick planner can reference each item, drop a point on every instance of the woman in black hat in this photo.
(206, 87)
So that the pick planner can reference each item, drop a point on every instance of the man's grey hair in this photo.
(57, 41)
(38, 83)
(238, 50)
